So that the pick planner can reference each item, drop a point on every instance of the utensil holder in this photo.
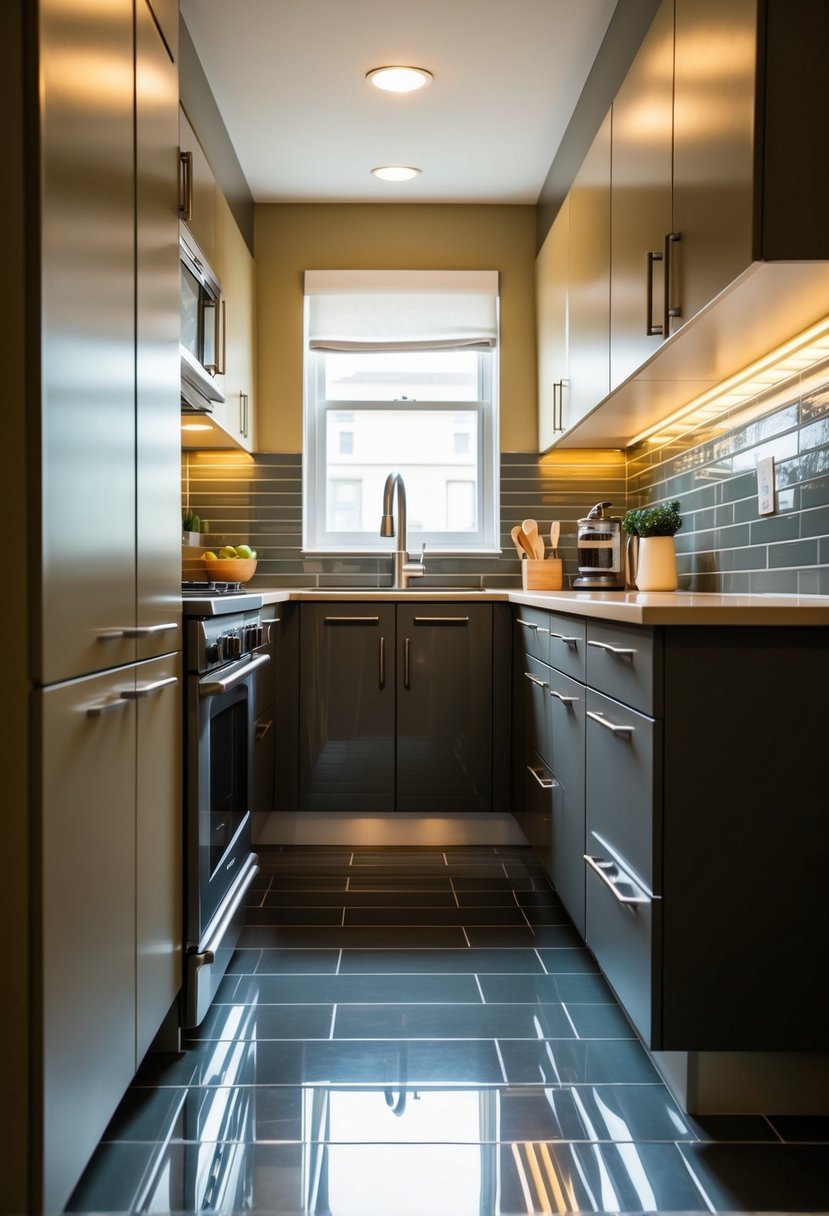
(541, 575)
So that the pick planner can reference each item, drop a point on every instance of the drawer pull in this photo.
(621, 652)
(542, 629)
(535, 680)
(440, 620)
(604, 869)
(561, 637)
(561, 697)
(546, 783)
(526, 624)
(617, 728)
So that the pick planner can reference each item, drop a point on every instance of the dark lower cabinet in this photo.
(444, 707)
(396, 707)
(683, 771)
(347, 707)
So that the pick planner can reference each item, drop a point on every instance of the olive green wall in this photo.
(293, 237)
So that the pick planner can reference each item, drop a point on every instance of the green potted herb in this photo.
(651, 548)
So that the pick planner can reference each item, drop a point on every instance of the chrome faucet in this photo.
(404, 567)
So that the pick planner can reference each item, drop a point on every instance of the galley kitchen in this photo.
(418, 443)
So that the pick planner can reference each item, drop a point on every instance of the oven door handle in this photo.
(215, 688)
(203, 958)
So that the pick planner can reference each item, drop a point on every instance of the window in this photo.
(382, 395)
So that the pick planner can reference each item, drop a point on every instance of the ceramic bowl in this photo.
(230, 569)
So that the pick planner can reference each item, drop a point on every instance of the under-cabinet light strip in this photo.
(772, 369)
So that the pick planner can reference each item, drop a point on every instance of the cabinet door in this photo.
(88, 917)
(159, 844)
(551, 269)
(714, 131)
(444, 707)
(589, 281)
(347, 696)
(567, 751)
(641, 194)
(87, 358)
(235, 266)
(158, 443)
(202, 221)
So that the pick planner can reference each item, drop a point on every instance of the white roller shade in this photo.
(401, 309)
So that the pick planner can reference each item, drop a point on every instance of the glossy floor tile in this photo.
(422, 1032)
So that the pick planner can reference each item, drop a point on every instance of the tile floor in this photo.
(421, 1032)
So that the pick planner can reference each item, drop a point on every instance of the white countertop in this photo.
(635, 607)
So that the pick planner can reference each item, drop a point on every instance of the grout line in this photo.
(333, 1020)
(541, 960)
(454, 893)
(466, 935)
(774, 1129)
(342, 920)
(480, 989)
(339, 962)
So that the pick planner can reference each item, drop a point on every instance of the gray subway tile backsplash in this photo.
(724, 546)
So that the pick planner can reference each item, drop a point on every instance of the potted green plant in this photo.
(651, 548)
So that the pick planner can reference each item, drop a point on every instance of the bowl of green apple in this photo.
(232, 564)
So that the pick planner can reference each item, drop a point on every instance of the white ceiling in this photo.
(288, 77)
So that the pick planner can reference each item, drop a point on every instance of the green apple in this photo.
(227, 551)
(244, 551)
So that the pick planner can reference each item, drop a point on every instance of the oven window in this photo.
(228, 777)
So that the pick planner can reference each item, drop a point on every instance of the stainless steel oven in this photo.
(223, 653)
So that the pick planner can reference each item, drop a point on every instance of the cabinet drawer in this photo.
(536, 821)
(624, 661)
(623, 935)
(532, 632)
(536, 694)
(566, 710)
(567, 636)
(623, 777)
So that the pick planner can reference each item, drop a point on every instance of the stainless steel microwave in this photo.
(202, 329)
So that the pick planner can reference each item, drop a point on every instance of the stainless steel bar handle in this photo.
(671, 309)
(243, 414)
(221, 337)
(619, 651)
(561, 637)
(216, 687)
(146, 690)
(382, 661)
(600, 866)
(105, 707)
(543, 629)
(650, 328)
(561, 697)
(406, 663)
(558, 406)
(440, 620)
(615, 727)
(526, 624)
(352, 620)
(185, 204)
(535, 680)
(546, 783)
(208, 955)
(137, 631)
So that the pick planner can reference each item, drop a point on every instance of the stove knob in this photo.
(234, 645)
(212, 652)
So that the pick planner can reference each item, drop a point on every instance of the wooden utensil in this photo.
(555, 531)
(520, 541)
(535, 543)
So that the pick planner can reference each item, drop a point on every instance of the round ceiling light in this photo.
(395, 173)
(396, 79)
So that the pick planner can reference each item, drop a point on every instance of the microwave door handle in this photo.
(215, 688)
(221, 337)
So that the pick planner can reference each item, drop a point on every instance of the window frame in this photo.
(317, 540)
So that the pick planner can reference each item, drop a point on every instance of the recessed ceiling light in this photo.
(397, 79)
(395, 173)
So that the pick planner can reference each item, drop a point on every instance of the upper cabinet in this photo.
(589, 282)
(551, 286)
(207, 214)
(641, 185)
(198, 188)
(714, 257)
